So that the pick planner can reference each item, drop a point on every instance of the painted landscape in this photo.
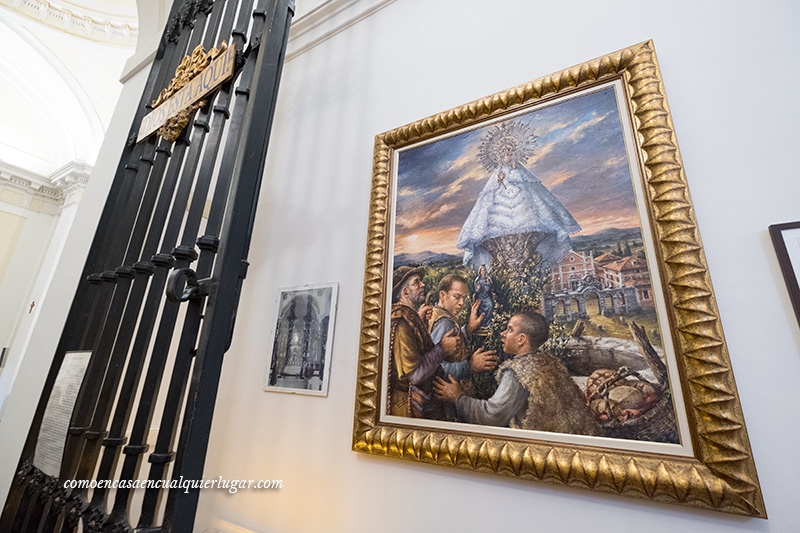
(541, 209)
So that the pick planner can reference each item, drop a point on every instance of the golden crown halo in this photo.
(507, 143)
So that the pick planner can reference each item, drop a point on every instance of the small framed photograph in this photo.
(786, 239)
(299, 362)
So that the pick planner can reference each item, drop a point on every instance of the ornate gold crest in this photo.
(197, 76)
(190, 67)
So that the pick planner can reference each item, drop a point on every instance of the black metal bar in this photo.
(159, 267)
(104, 391)
(163, 453)
(72, 438)
(142, 226)
(141, 275)
(13, 509)
(184, 255)
(86, 401)
(229, 270)
(111, 315)
(98, 362)
(169, 314)
(94, 436)
(98, 254)
(200, 192)
(242, 91)
(201, 127)
(115, 246)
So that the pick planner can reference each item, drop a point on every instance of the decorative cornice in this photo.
(74, 23)
(44, 194)
(323, 22)
(71, 179)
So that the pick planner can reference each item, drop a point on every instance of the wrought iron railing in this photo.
(157, 301)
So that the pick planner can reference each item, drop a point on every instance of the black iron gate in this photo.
(157, 301)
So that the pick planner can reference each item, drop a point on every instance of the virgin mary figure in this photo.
(515, 218)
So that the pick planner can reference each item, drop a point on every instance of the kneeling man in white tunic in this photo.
(535, 390)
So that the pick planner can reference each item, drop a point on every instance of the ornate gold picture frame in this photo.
(652, 292)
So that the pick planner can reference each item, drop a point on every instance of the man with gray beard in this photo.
(414, 358)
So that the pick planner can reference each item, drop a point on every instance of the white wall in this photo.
(29, 287)
(730, 70)
(25, 261)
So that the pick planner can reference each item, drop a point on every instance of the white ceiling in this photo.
(113, 22)
(57, 89)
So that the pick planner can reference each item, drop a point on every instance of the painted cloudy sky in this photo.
(579, 156)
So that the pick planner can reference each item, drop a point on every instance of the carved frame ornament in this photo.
(721, 474)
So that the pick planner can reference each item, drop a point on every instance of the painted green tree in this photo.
(516, 288)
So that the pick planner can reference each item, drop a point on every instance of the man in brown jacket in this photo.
(414, 358)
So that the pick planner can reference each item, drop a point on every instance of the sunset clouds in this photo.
(580, 157)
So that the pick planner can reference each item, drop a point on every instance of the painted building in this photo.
(607, 271)
(629, 272)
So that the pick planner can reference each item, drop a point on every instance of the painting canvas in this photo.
(301, 346)
(534, 214)
(537, 302)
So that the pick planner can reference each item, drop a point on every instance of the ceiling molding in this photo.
(326, 20)
(307, 31)
(44, 194)
(71, 179)
(80, 25)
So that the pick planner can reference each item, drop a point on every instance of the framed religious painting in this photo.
(300, 361)
(537, 302)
